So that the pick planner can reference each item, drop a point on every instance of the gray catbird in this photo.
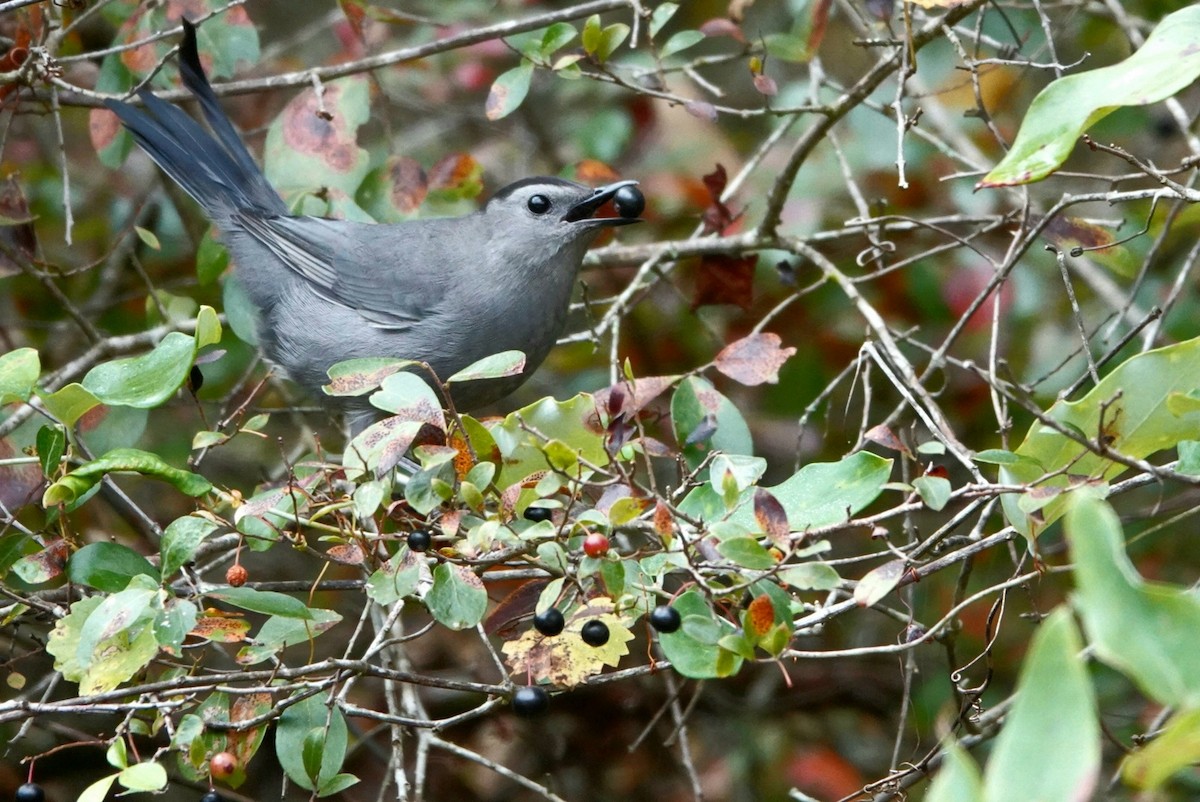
(444, 291)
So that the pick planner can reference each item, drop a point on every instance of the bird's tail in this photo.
(214, 168)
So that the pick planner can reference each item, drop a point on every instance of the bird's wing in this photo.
(375, 270)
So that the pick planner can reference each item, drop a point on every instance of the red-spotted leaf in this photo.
(771, 516)
(509, 91)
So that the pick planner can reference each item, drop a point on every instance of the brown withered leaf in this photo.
(407, 183)
(755, 359)
(771, 517)
(664, 522)
(721, 26)
(44, 565)
(19, 484)
(717, 216)
(628, 398)
(887, 438)
(514, 608)
(346, 554)
(16, 227)
(594, 171)
(724, 279)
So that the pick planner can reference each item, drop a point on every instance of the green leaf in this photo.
(263, 601)
(496, 366)
(998, 456)
(704, 421)
(146, 777)
(70, 403)
(279, 632)
(1189, 457)
(933, 490)
(336, 784)
(746, 552)
(556, 37)
(51, 443)
(108, 566)
(122, 460)
(97, 791)
(457, 599)
(957, 780)
(148, 237)
(1146, 630)
(144, 381)
(211, 259)
(1166, 63)
(661, 16)
(397, 578)
(240, 311)
(1173, 749)
(308, 761)
(1049, 747)
(810, 576)
(116, 754)
(103, 641)
(680, 41)
(610, 39)
(509, 91)
(181, 539)
(698, 658)
(208, 327)
(573, 422)
(19, 371)
(824, 493)
(1135, 401)
(590, 39)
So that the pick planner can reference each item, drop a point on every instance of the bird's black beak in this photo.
(583, 210)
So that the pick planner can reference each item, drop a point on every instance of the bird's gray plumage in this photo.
(445, 291)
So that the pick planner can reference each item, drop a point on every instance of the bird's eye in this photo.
(539, 204)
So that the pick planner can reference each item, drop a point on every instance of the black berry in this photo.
(420, 539)
(30, 792)
(665, 618)
(549, 622)
(530, 701)
(629, 202)
(212, 796)
(538, 514)
(195, 379)
(594, 633)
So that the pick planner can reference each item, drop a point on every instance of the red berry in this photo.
(222, 765)
(595, 545)
(236, 575)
